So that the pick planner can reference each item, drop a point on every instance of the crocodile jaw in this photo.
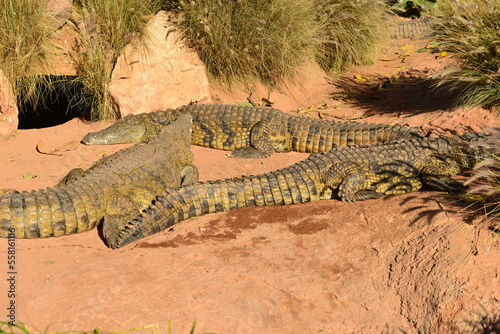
(120, 134)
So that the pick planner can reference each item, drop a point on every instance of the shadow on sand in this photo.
(409, 94)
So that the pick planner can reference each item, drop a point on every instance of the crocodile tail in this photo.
(286, 186)
(418, 28)
(49, 212)
(313, 136)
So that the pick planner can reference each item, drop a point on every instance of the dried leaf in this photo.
(303, 110)
(29, 176)
(409, 52)
(252, 100)
(472, 198)
(407, 47)
(389, 59)
(402, 67)
(313, 107)
(361, 78)
(103, 154)
(265, 103)
(69, 146)
(41, 148)
(340, 96)
(442, 55)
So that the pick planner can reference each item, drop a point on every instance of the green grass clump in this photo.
(104, 28)
(26, 43)
(350, 34)
(264, 39)
(472, 36)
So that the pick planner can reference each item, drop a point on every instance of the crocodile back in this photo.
(313, 135)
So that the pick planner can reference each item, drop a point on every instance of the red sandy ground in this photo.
(405, 264)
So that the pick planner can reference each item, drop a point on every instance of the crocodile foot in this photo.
(443, 183)
(112, 225)
(362, 195)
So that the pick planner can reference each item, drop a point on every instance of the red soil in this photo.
(410, 263)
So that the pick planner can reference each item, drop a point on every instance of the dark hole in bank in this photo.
(58, 103)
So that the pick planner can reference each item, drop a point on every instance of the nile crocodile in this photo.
(413, 29)
(116, 187)
(348, 173)
(252, 132)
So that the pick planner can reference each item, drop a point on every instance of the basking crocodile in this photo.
(116, 187)
(349, 173)
(252, 132)
(413, 29)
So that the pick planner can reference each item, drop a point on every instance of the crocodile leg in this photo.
(266, 137)
(391, 184)
(121, 209)
(189, 175)
(437, 174)
(112, 225)
(354, 181)
(72, 176)
(123, 205)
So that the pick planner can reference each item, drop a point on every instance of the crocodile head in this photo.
(140, 128)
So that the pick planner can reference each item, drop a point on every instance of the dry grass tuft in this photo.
(269, 39)
(264, 39)
(104, 28)
(472, 36)
(351, 32)
(26, 43)
(487, 192)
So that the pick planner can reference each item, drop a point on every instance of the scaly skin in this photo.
(413, 29)
(349, 173)
(252, 132)
(116, 187)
